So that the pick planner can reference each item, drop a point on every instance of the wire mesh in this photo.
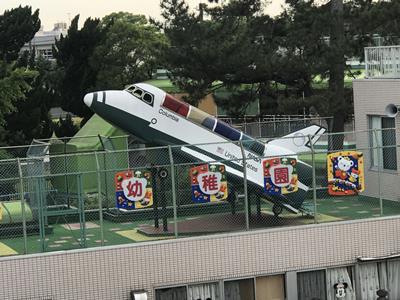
(64, 200)
(210, 199)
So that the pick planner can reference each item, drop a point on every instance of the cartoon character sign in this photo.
(133, 189)
(345, 173)
(209, 183)
(340, 290)
(280, 175)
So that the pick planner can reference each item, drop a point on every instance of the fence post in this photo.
(378, 149)
(100, 199)
(366, 61)
(81, 207)
(246, 196)
(314, 181)
(41, 211)
(21, 190)
(173, 188)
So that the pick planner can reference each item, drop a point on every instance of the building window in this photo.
(383, 142)
(311, 285)
(270, 287)
(45, 53)
(174, 293)
(205, 291)
(341, 281)
(239, 289)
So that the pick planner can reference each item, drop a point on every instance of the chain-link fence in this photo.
(60, 200)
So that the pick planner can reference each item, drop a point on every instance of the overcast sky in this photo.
(52, 11)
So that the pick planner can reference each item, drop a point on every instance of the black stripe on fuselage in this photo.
(104, 97)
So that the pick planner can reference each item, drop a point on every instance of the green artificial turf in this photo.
(341, 208)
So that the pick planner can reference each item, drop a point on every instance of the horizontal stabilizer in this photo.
(299, 141)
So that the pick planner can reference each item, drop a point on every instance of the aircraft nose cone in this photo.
(88, 99)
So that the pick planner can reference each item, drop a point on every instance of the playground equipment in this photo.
(33, 200)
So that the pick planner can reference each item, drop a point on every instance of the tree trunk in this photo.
(336, 74)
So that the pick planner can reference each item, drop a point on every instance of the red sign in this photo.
(281, 175)
(133, 189)
(209, 183)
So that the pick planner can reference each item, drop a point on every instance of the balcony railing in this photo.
(382, 62)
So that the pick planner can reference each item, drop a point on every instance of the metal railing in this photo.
(382, 62)
(268, 118)
(69, 201)
(263, 127)
(272, 126)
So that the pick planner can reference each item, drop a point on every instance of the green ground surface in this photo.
(63, 238)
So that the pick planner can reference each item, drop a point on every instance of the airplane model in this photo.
(158, 118)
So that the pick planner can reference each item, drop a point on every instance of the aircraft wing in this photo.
(299, 141)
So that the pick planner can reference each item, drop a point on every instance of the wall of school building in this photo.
(290, 263)
(371, 96)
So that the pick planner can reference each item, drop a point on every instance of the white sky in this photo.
(52, 11)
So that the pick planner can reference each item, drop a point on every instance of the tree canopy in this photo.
(235, 45)
(231, 48)
(129, 52)
(17, 26)
(31, 117)
(73, 53)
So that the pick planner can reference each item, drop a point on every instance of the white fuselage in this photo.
(209, 146)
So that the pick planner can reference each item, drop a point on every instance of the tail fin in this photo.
(299, 141)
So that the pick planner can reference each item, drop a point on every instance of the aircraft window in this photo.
(138, 93)
(130, 88)
(148, 98)
(227, 131)
(177, 106)
(253, 145)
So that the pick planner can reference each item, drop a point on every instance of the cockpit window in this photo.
(140, 94)
(130, 88)
(148, 98)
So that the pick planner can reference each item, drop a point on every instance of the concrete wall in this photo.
(370, 98)
(111, 272)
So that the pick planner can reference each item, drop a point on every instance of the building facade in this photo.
(294, 263)
(375, 129)
(43, 41)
